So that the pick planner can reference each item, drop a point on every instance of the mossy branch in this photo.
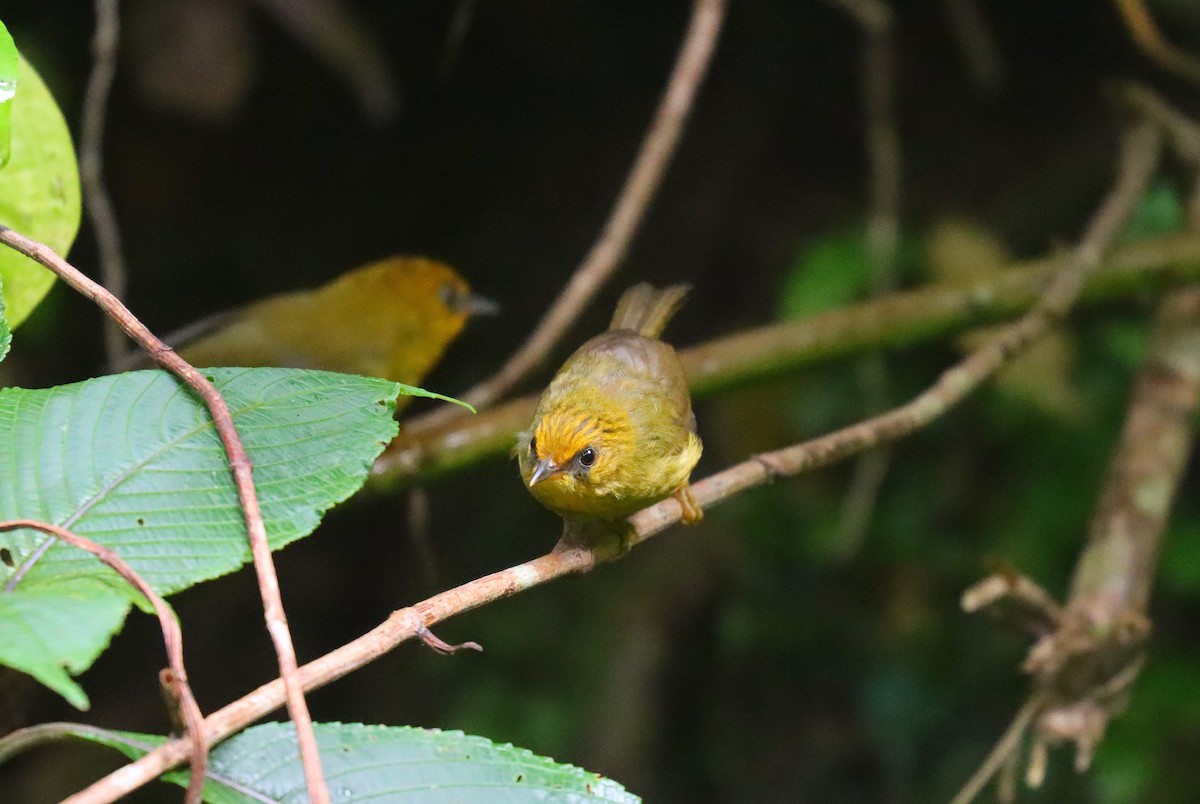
(902, 319)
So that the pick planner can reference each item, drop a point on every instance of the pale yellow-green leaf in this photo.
(39, 192)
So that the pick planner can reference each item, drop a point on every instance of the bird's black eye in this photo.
(533, 446)
(450, 296)
(587, 458)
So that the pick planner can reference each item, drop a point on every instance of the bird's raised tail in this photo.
(646, 310)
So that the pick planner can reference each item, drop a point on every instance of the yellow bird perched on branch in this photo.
(392, 319)
(614, 431)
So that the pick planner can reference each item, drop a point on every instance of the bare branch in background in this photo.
(184, 707)
(1091, 651)
(113, 273)
(242, 471)
(639, 190)
(331, 31)
(883, 238)
(1149, 38)
(456, 34)
(976, 43)
(1083, 667)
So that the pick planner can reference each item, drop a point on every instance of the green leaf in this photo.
(835, 271)
(51, 634)
(8, 88)
(1159, 212)
(39, 192)
(382, 763)
(133, 462)
(830, 273)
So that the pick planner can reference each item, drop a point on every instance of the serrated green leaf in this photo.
(51, 634)
(382, 763)
(133, 462)
(8, 88)
(39, 191)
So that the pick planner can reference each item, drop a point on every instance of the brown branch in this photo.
(91, 166)
(1085, 662)
(1138, 160)
(241, 469)
(1149, 38)
(187, 709)
(1104, 623)
(1182, 133)
(1092, 651)
(639, 190)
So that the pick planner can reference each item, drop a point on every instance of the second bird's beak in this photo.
(544, 469)
(473, 304)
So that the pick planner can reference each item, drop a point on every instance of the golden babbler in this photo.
(392, 318)
(614, 432)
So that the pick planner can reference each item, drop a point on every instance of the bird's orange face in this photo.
(573, 457)
(407, 309)
(564, 441)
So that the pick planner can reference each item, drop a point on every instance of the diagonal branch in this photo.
(1150, 39)
(608, 251)
(180, 692)
(239, 465)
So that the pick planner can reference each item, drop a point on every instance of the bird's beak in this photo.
(474, 304)
(544, 469)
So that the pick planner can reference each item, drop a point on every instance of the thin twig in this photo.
(883, 237)
(976, 43)
(346, 45)
(1138, 160)
(608, 251)
(1006, 747)
(188, 710)
(239, 466)
(756, 354)
(113, 272)
(1181, 131)
(1146, 34)
(456, 34)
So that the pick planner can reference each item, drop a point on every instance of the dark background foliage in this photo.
(755, 657)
